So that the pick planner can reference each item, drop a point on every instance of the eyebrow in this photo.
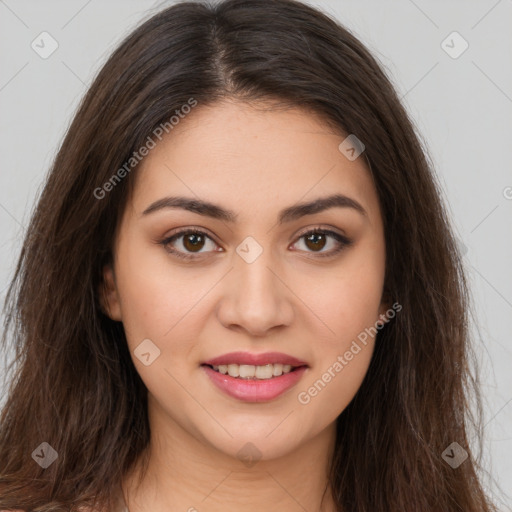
(289, 214)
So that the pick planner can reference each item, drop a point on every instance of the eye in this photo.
(192, 241)
(317, 239)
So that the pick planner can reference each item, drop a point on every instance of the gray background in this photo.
(462, 107)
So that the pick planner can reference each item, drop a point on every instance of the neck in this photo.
(189, 474)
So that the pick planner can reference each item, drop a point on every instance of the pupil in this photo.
(314, 238)
(195, 240)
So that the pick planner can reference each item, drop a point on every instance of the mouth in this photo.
(254, 377)
(254, 372)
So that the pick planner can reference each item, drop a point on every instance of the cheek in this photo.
(162, 304)
(156, 299)
(348, 304)
(345, 299)
(331, 387)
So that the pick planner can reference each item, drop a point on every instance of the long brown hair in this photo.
(72, 381)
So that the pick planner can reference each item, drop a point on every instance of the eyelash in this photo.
(342, 241)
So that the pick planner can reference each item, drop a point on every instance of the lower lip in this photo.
(254, 390)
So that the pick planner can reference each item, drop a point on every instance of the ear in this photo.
(108, 294)
(385, 305)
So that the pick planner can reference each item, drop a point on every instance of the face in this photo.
(250, 275)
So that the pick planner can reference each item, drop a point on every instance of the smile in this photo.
(249, 371)
(251, 388)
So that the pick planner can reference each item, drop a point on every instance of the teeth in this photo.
(233, 370)
(249, 371)
(278, 369)
(264, 372)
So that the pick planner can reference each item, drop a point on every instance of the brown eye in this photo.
(188, 244)
(315, 241)
(193, 241)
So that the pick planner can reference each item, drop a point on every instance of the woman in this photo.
(239, 288)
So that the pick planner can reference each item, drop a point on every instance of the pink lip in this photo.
(255, 359)
(254, 390)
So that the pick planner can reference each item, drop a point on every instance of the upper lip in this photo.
(255, 359)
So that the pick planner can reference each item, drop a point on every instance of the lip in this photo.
(254, 390)
(255, 359)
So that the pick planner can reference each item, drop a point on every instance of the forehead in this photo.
(251, 157)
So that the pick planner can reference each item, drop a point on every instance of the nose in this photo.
(256, 298)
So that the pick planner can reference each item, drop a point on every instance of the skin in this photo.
(288, 300)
